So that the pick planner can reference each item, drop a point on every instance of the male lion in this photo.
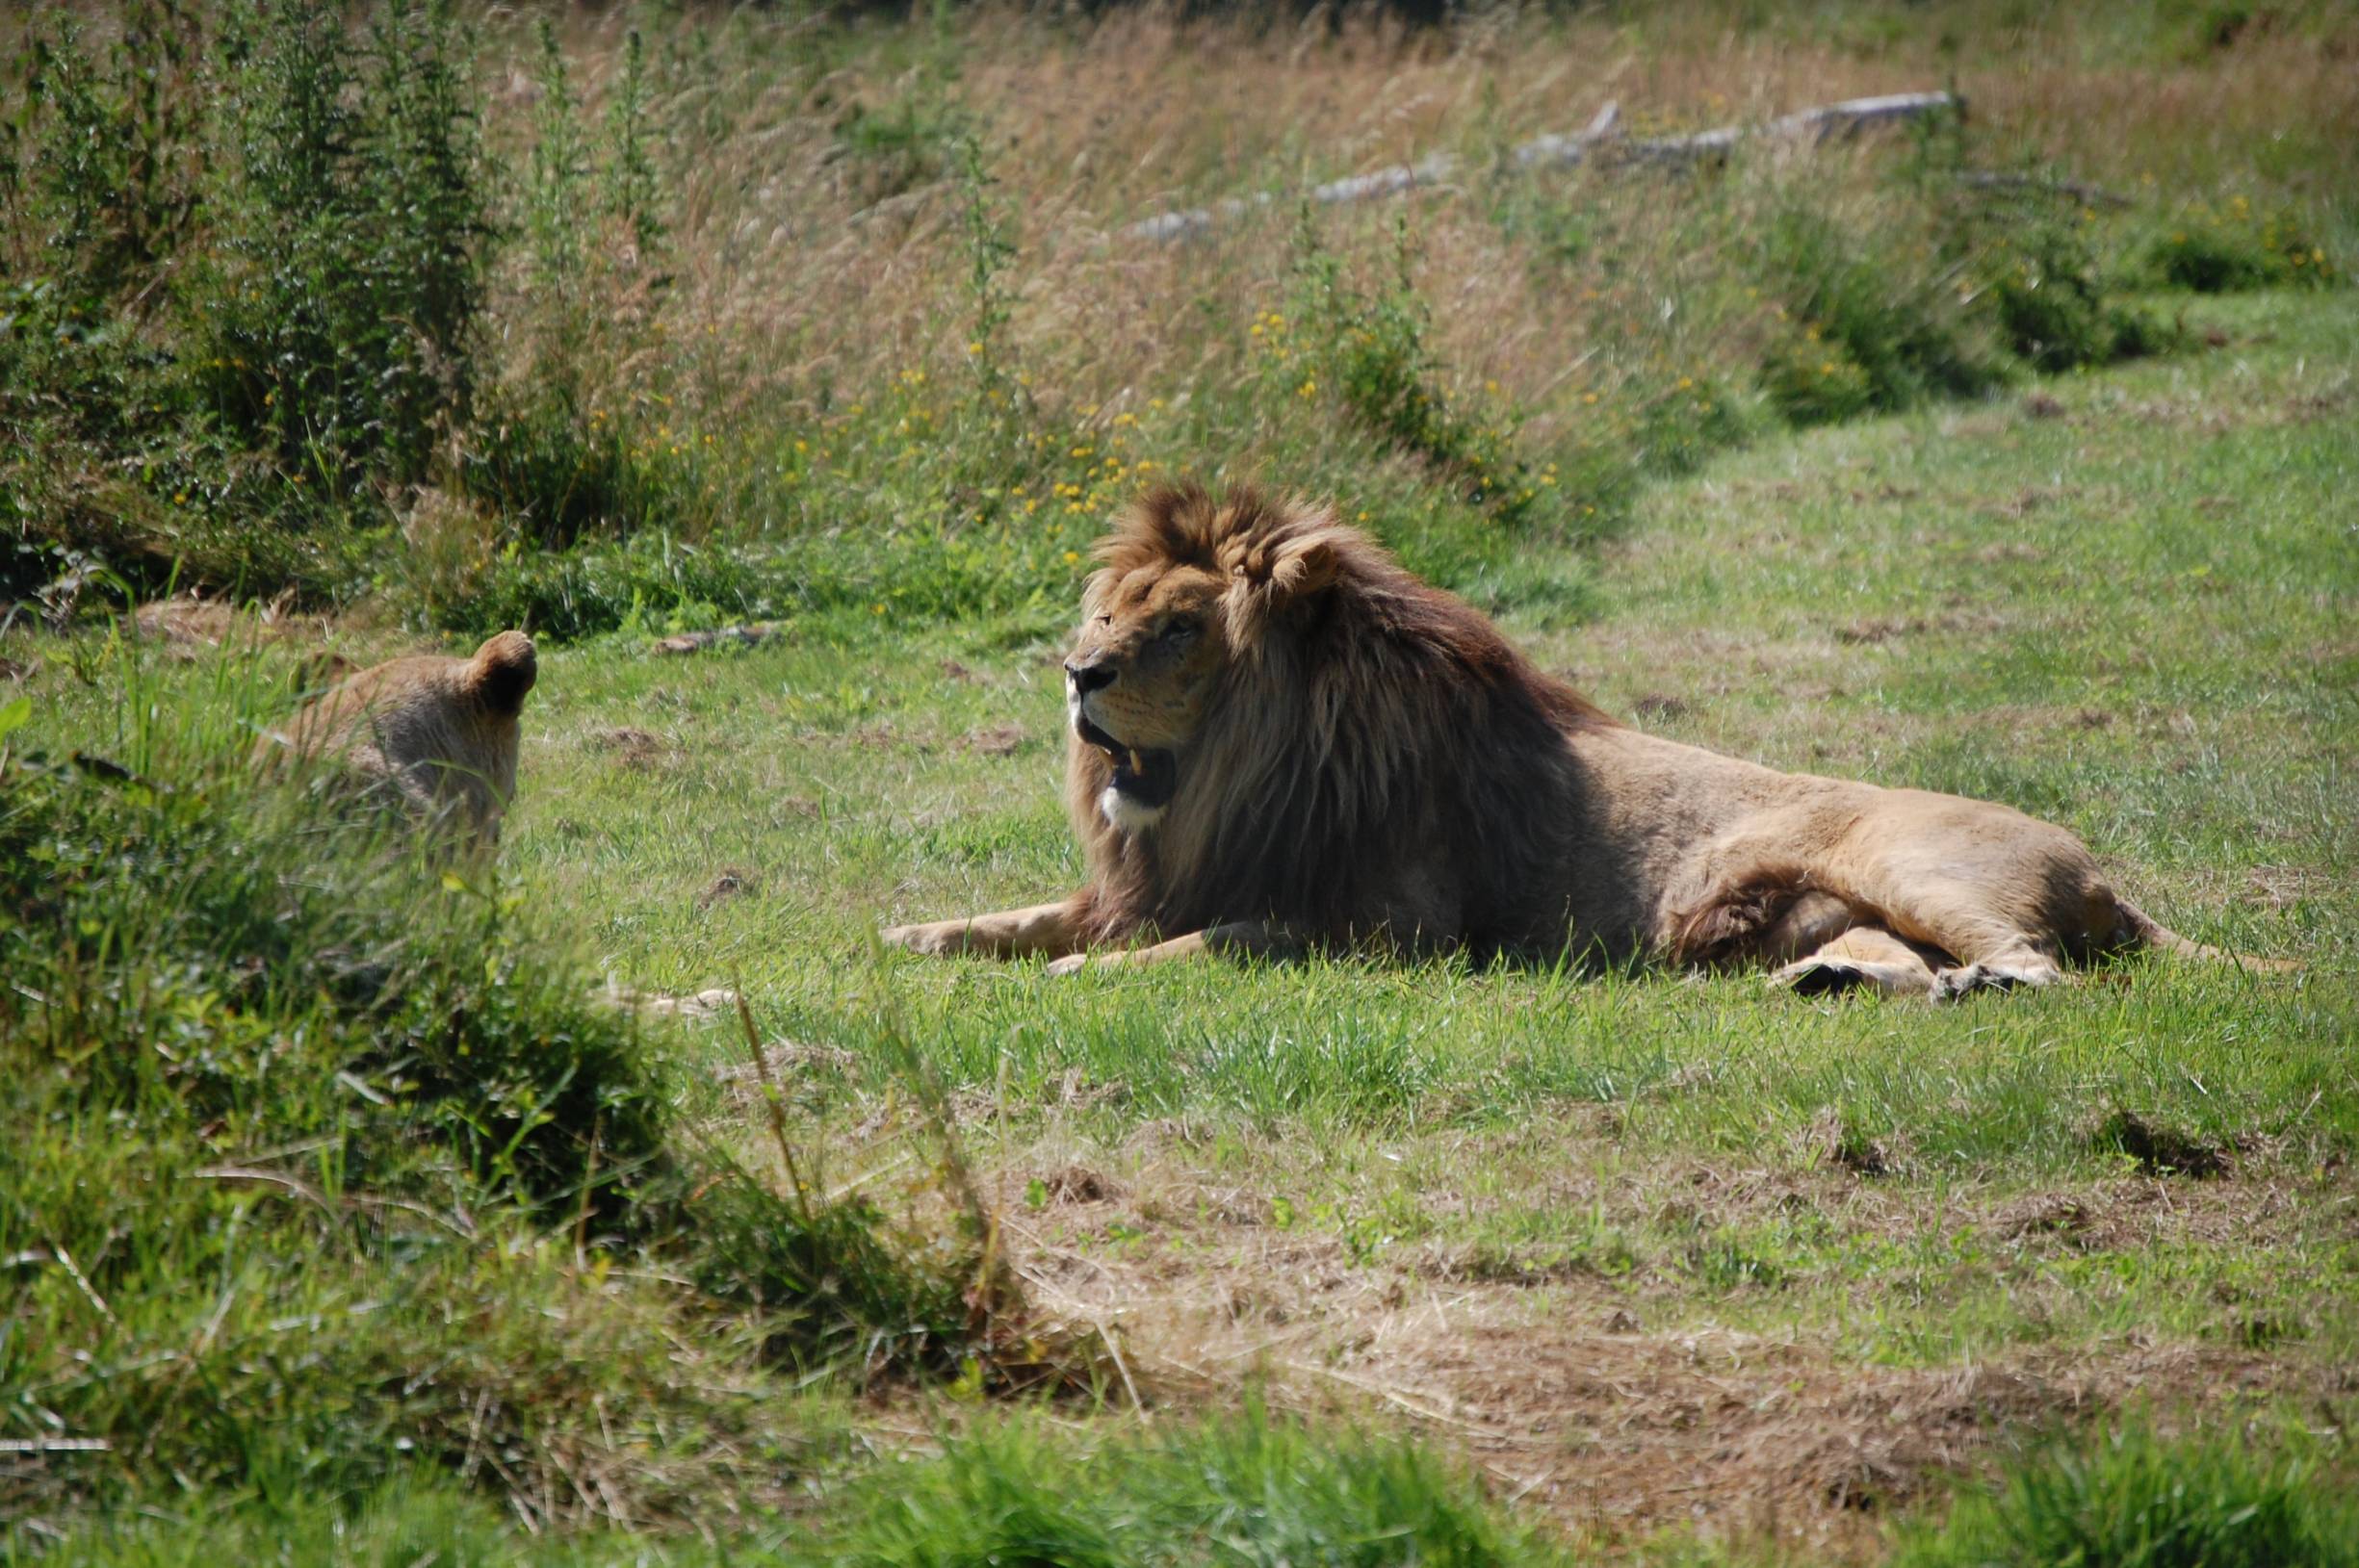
(438, 734)
(1281, 738)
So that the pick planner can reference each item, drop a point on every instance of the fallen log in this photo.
(1815, 126)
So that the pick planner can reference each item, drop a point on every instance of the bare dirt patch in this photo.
(994, 740)
(729, 883)
(633, 747)
(1615, 1403)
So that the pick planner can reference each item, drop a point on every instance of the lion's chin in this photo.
(1126, 811)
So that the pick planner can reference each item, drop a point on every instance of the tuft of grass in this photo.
(2231, 245)
(2131, 1497)
(1886, 337)
(2156, 1147)
(1251, 1488)
(2053, 311)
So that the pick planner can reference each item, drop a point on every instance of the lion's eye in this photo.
(1180, 628)
(1105, 619)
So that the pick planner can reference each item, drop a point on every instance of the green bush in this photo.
(560, 475)
(335, 311)
(1366, 351)
(1902, 337)
(1814, 380)
(1685, 423)
(2229, 248)
(2052, 310)
(249, 270)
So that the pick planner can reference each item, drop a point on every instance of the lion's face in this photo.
(1143, 670)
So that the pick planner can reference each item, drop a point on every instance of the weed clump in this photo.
(1367, 350)
(2134, 1499)
(2232, 247)
(247, 288)
(1868, 336)
(2053, 314)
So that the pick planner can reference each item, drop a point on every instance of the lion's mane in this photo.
(1361, 721)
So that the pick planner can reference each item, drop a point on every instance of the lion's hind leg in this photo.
(1864, 958)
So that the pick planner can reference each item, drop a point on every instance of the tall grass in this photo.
(668, 318)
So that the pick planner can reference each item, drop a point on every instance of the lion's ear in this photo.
(1302, 569)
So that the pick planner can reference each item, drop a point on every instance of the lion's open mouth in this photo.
(1145, 774)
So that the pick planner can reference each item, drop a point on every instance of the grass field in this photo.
(345, 1221)
(1655, 1252)
(1651, 1245)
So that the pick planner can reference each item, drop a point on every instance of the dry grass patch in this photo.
(1617, 1400)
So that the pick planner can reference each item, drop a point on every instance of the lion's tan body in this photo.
(439, 733)
(1281, 738)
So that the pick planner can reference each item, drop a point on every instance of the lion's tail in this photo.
(502, 671)
(2142, 930)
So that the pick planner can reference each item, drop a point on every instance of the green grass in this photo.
(345, 1222)
(2138, 1500)
(2122, 613)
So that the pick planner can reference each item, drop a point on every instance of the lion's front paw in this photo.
(1069, 964)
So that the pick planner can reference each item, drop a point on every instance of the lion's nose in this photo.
(1088, 675)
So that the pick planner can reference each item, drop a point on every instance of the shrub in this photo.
(2052, 310)
(1814, 380)
(2231, 247)
(250, 267)
(1684, 424)
(559, 473)
(1902, 337)
(1367, 352)
(336, 309)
